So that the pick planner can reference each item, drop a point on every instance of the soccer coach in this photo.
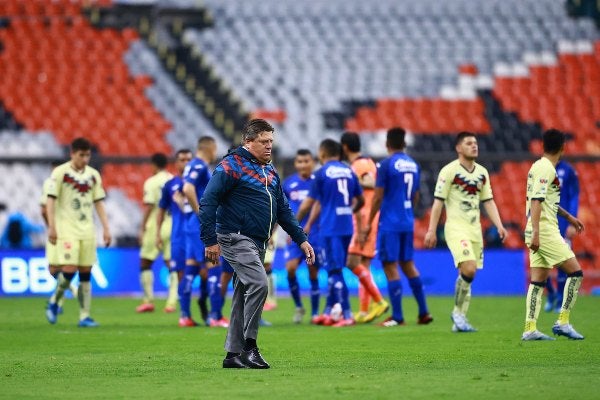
(241, 203)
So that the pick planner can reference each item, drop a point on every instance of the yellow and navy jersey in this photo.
(462, 192)
(543, 185)
(152, 193)
(75, 193)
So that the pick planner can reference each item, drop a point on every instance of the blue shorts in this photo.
(335, 250)
(177, 261)
(194, 248)
(226, 266)
(294, 252)
(395, 246)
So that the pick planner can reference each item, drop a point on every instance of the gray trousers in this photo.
(249, 288)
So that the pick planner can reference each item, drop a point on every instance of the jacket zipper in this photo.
(270, 207)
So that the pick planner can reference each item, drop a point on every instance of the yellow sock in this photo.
(533, 304)
(462, 290)
(147, 280)
(563, 317)
(570, 293)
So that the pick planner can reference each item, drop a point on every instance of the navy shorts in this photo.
(395, 246)
(335, 249)
(177, 261)
(194, 248)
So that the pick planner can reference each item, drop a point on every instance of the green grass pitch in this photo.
(132, 356)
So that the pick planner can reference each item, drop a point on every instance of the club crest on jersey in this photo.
(81, 187)
(467, 186)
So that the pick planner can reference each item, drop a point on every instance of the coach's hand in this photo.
(212, 253)
(430, 239)
(308, 252)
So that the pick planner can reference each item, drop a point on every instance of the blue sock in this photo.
(338, 287)
(295, 291)
(416, 285)
(185, 290)
(345, 299)
(315, 295)
(395, 292)
(561, 279)
(330, 300)
(214, 292)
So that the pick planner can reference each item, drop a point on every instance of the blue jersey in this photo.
(335, 185)
(198, 174)
(398, 175)
(296, 189)
(569, 192)
(170, 190)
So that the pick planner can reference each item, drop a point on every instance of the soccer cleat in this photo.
(390, 322)
(145, 307)
(424, 319)
(535, 335)
(344, 322)
(219, 323)
(461, 324)
(566, 330)
(359, 317)
(87, 323)
(187, 322)
(298, 315)
(170, 309)
(269, 306)
(317, 319)
(377, 310)
(52, 312)
(264, 322)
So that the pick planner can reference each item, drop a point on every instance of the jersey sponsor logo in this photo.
(81, 187)
(402, 165)
(298, 195)
(343, 211)
(335, 172)
(467, 186)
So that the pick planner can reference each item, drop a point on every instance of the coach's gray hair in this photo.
(254, 127)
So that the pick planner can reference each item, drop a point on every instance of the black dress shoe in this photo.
(234, 362)
(253, 359)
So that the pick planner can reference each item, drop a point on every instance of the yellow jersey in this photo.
(462, 192)
(75, 193)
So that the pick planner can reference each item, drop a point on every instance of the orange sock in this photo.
(364, 276)
(364, 298)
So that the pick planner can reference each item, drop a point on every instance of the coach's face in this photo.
(261, 146)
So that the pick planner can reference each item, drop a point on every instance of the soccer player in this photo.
(51, 254)
(172, 202)
(461, 186)
(75, 190)
(296, 188)
(569, 200)
(148, 231)
(362, 247)
(396, 192)
(338, 192)
(196, 176)
(547, 248)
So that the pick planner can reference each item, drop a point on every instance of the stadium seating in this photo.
(308, 58)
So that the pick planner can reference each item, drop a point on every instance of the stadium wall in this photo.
(25, 273)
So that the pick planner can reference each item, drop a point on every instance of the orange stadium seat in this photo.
(68, 65)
